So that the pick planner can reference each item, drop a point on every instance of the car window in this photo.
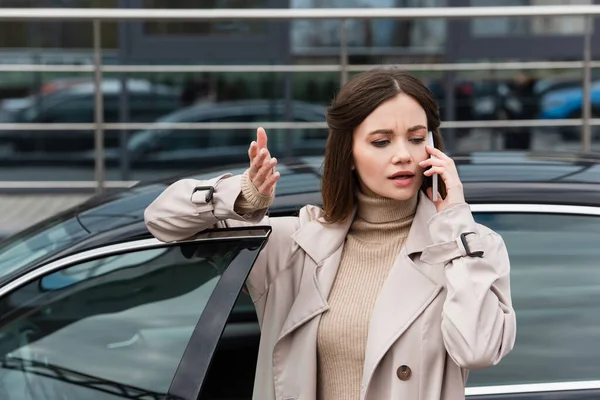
(303, 141)
(239, 342)
(38, 242)
(75, 109)
(143, 107)
(195, 140)
(555, 283)
(115, 327)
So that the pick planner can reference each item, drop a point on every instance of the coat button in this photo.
(404, 372)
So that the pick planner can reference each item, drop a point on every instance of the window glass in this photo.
(240, 342)
(32, 245)
(60, 108)
(73, 111)
(537, 26)
(368, 37)
(111, 328)
(204, 28)
(72, 35)
(555, 282)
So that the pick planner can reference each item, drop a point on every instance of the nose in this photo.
(401, 154)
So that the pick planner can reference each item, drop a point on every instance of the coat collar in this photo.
(320, 240)
(418, 235)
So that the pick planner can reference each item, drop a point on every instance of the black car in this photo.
(75, 103)
(162, 148)
(93, 307)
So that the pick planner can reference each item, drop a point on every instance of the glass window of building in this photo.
(56, 35)
(160, 28)
(537, 26)
(365, 36)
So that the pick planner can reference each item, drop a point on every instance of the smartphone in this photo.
(434, 177)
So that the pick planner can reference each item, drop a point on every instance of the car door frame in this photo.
(193, 367)
(582, 390)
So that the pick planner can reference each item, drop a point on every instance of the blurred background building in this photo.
(225, 93)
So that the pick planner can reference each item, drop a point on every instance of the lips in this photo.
(402, 178)
(402, 175)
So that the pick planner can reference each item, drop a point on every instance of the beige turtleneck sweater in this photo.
(371, 246)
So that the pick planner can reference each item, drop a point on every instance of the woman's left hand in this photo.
(444, 166)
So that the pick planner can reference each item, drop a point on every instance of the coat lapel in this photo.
(418, 236)
(405, 294)
(323, 244)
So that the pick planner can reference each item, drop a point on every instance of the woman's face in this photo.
(388, 146)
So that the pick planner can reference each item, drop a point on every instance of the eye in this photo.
(417, 140)
(380, 143)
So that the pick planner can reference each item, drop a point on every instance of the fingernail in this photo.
(263, 152)
(276, 174)
(253, 144)
(273, 160)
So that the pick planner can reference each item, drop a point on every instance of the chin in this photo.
(402, 194)
(399, 193)
(391, 191)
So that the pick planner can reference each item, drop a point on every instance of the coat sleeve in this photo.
(186, 208)
(478, 320)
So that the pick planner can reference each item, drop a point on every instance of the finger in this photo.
(257, 163)
(430, 195)
(261, 138)
(264, 171)
(252, 150)
(440, 170)
(449, 179)
(432, 161)
(436, 152)
(269, 185)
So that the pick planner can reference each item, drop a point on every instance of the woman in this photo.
(382, 293)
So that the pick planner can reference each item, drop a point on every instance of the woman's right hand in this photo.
(262, 172)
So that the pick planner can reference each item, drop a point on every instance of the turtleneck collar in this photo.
(377, 210)
(381, 220)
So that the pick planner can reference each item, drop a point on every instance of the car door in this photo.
(555, 282)
(132, 320)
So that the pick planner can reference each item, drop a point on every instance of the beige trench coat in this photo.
(439, 314)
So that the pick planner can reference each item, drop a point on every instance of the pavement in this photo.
(22, 211)
(19, 211)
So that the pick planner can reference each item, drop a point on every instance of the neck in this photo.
(380, 218)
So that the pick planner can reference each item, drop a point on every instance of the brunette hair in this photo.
(354, 102)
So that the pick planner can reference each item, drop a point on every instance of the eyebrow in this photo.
(390, 132)
(416, 128)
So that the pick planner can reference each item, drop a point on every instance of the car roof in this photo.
(537, 178)
(113, 86)
(239, 107)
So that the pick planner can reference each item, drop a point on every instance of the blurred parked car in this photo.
(492, 99)
(92, 307)
(463, 97)
(74, 103)
(567, 102)
(193, 148)
(10, 107)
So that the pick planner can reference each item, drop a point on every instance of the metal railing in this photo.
(97, 16)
